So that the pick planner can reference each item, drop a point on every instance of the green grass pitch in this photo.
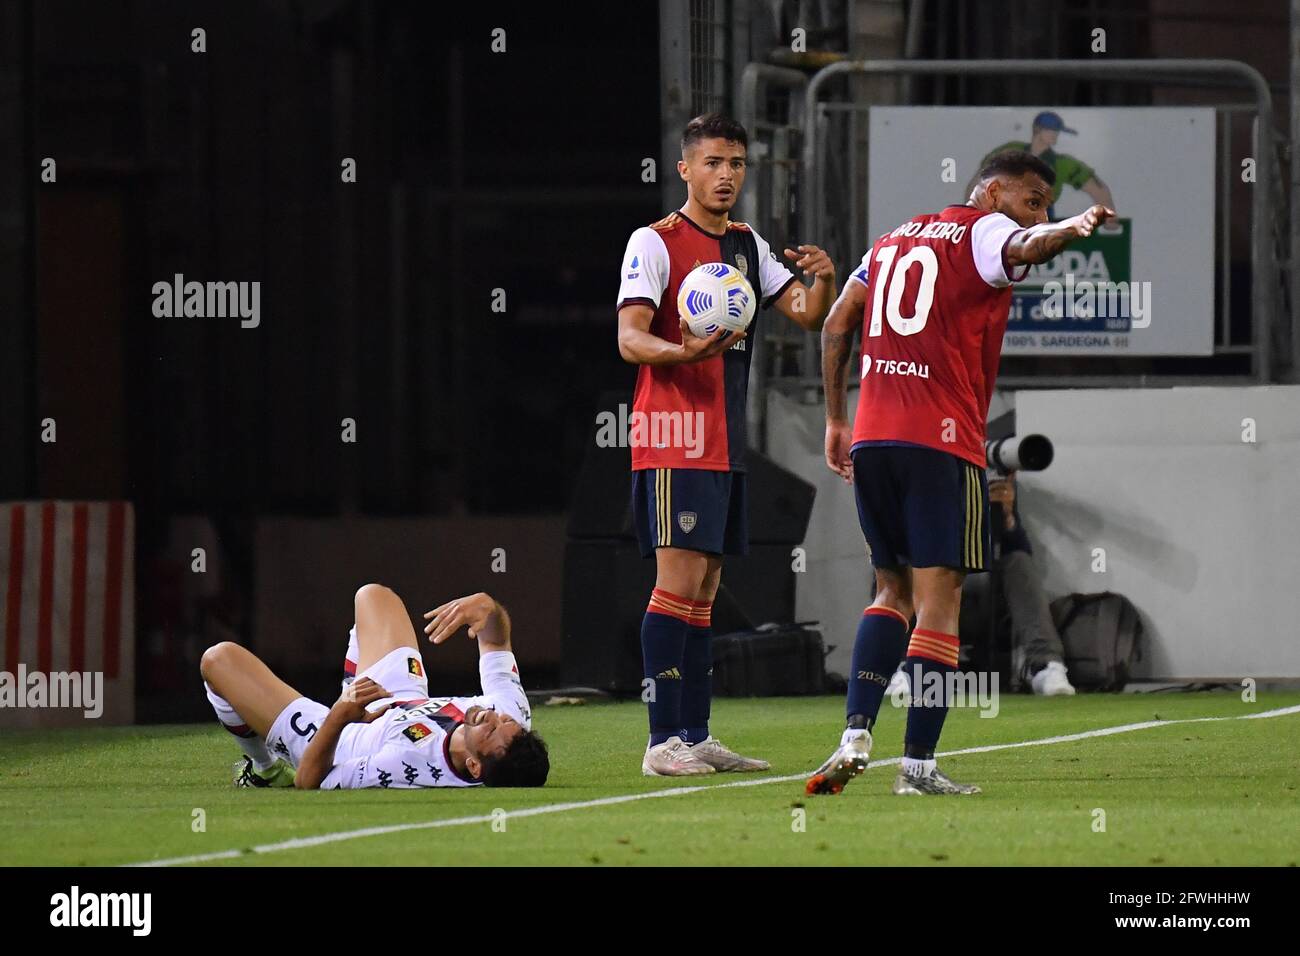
(1224, 792)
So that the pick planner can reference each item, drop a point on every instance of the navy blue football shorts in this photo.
(921, 507)
(690, 508)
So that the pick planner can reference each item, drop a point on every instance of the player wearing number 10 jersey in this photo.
(932, 297)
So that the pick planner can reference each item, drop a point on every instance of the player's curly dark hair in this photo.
(524, 763)
(714, 126)
(1017, 162)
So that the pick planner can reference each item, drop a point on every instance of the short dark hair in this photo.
(714, 126)
(524, 763)
(1017, 162)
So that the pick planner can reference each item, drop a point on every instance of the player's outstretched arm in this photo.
(837, 351)
(487, 620)
(805, 306)
(639, 346)
(1037, 244)
(318, 758)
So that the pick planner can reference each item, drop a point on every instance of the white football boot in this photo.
(936, 782)
(849, 760)
(713, 752)
(672, 758)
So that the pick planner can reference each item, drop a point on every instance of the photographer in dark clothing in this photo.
(1037, 655)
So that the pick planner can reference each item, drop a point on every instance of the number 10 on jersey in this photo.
(891, 280)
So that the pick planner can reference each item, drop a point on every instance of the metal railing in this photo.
(771, 186)
(1265, 287)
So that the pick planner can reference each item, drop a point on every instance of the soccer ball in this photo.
(716, 296)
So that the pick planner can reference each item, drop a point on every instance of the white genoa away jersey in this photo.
(408, 746)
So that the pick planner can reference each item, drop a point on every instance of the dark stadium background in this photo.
(476, 171)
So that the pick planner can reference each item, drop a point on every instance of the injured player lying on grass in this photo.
(385, 730)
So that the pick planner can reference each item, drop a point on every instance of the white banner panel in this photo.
(1144, 286)
(1187, 495)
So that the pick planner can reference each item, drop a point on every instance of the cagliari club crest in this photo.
(741, 263)
(686, 521)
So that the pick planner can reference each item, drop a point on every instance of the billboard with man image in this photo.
(1143, 284)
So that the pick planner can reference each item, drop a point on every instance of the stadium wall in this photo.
(1198, 522)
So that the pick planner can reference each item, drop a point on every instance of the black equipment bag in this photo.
(774, 660)
(1102, 634)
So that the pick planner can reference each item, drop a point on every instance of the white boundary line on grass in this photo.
(301, 842)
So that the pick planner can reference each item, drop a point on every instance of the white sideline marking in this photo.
(301, 842)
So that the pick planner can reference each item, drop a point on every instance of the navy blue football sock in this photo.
(881, 640)
(931, 657)
(697, 674)
(663, 645)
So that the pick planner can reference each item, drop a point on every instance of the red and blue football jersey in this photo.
(693, 416)
(938, 299)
